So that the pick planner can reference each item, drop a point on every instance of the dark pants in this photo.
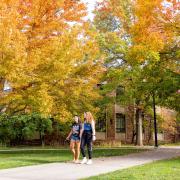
(86, 140)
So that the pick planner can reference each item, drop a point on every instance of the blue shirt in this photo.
(87, 127)
(76, 129)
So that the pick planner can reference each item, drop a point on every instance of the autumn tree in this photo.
(49, 56)
(142, 50)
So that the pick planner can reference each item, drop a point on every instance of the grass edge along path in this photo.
(168, 169)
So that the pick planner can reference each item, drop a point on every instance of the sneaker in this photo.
(84, 160)
(89, 162)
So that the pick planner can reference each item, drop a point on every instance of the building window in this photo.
(101, 123)
(120, 123)
(119, 91)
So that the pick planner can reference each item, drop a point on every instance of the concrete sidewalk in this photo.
(70, 171)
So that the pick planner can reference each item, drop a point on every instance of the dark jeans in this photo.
(86, 140)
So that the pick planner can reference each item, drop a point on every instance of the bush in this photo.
(18, 128)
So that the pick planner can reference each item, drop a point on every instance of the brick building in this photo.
(118, 124)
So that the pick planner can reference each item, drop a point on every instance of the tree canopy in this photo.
(50, 57)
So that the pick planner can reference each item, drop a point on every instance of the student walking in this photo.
(74, 137)
(87, 136)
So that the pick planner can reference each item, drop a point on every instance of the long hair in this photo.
(79, 119)
(89, 117)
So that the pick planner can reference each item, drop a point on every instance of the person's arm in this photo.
(93, 128)
(69, 135)
(81, 131)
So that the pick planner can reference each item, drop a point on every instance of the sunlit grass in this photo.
(160, 170)
(23, 157)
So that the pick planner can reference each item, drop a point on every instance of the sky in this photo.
(90, 5)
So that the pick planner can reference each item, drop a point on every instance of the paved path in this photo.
(70, 171)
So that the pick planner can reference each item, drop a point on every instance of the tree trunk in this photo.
(42, 139)
(150, 132)
(134, 123)
(155, 123)
(133, 137)
(140, 132)
(2, 81)
(137, 125)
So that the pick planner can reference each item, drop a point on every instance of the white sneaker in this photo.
(84, 160)
(89, 162)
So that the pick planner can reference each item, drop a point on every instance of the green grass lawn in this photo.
(160, 170)
(24, 157)
(172, 144)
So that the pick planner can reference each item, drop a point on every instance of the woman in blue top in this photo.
(74, 137)
(87, 136)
